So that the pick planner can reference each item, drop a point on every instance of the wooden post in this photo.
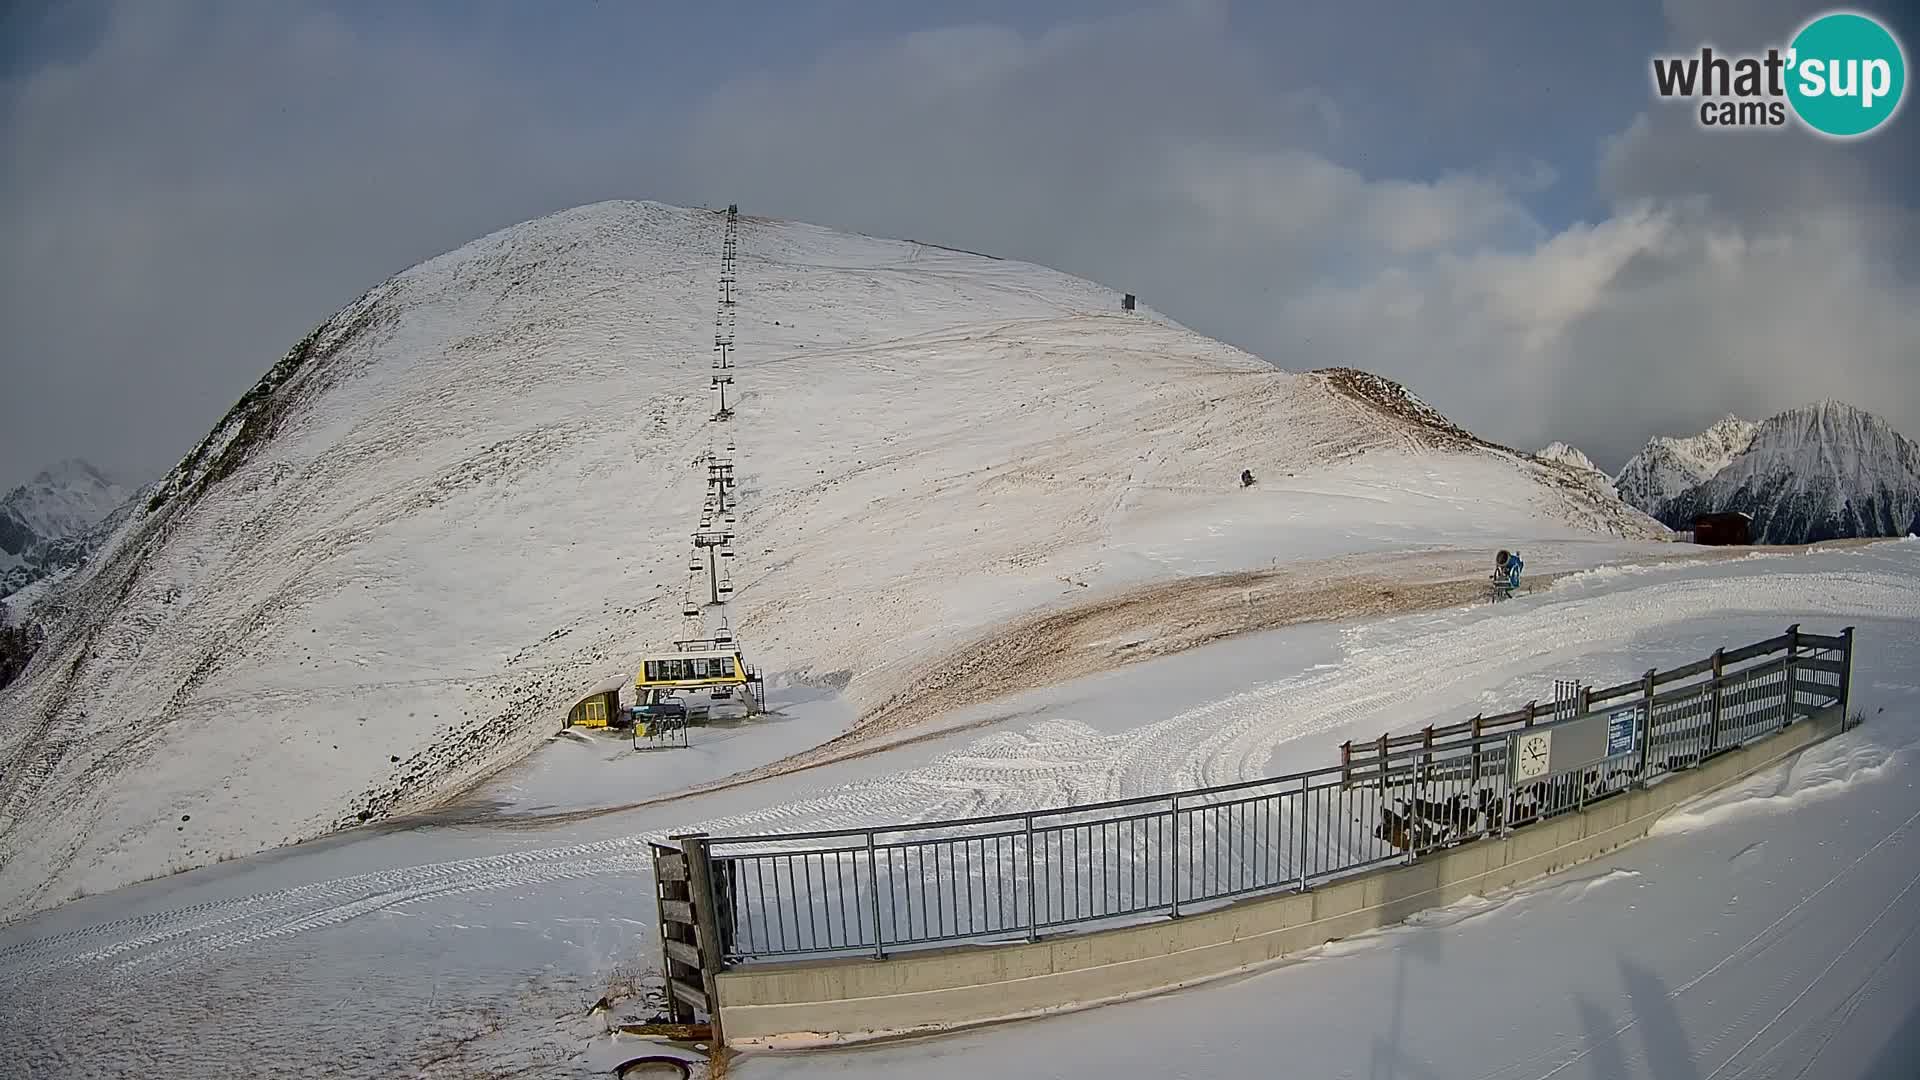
(1426, 756)
(1346, 764)
(707, 923)
(677, 1010)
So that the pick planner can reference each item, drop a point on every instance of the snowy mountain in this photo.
(1572, 469)
(1667, 466)
(47, 522)
(1562, 454)
(1815, 473)
(464, 501)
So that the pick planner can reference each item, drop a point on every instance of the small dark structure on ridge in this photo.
(1126, 302)
(1722, 529)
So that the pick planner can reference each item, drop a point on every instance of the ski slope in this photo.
(1766, 927)
(464, 501)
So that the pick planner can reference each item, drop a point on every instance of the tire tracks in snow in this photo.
(157, 942)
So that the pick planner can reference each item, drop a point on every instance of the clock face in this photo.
(1531, 755)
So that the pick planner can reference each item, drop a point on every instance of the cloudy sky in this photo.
(1480, 199)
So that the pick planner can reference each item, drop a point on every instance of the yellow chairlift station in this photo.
(692, 669)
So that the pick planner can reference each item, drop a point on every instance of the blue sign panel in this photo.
(1621, 725)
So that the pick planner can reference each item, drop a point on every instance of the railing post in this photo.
(1173, 864)
(1646, 744)
(1476, 749)
(1380, 755)
(1300, 884)
(1713, 697)
(1791, 667)
(1846, 676)
(1346, 764)
(873, 886)
(1033, 882)
(1418, 786)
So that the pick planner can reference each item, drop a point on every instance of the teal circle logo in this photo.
(1846, 74)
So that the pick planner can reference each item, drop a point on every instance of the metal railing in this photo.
(1015, 876)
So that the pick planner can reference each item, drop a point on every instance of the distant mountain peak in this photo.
(1816, 472)
(45, 521)
(1667, 466)
(1563, 454)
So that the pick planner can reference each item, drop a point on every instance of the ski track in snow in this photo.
(1052, 762)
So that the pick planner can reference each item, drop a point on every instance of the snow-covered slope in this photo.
(45, 522)
(464, 501)
(1572, 469)
(1667, 466)
(1819, 472)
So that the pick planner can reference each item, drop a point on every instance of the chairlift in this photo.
(690, 609)
(725, 590)
(726, 553)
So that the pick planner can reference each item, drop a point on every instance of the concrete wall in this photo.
(840, 1000)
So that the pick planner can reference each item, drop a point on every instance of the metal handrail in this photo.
(1084, 865)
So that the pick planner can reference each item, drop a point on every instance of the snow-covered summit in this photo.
(1667, 466)
(464, 501)
(43, 521)
(64, 499)
(1570, 456)
(1818, 472)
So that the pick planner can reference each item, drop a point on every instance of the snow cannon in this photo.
(1505, 579)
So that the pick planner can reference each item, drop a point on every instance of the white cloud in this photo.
(1677, 304)
(186, 198)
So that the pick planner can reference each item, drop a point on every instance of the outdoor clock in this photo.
(1532, 751)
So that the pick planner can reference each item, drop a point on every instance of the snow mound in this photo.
(1824, 771)
(463, 501)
